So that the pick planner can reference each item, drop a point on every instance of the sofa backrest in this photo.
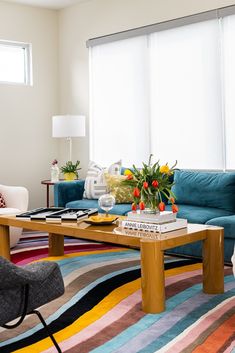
(206, 189)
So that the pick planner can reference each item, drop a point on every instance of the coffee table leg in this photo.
(213, 261)
(5, 242)
(56, 244)
(152, 277)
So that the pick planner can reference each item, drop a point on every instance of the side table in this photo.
(48, 183)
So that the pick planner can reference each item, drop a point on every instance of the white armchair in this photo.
(16, 198)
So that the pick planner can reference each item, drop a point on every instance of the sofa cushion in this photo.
(120, 209)
(205, 189)
(84, 203)
(201, 215)
(227, 222)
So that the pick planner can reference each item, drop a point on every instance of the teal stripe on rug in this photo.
(67, 265)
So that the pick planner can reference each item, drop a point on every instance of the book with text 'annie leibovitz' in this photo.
(155, 227)
(161, 217)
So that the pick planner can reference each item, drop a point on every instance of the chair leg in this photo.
(47, 329)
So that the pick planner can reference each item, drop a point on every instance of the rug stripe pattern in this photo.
(100, 311)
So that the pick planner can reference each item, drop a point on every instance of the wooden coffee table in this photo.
(151, 246)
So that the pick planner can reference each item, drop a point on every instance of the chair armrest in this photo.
(66, 191)
(15, 197)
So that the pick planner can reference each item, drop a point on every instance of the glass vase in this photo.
(151, 204)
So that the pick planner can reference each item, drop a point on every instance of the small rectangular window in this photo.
(15, 63)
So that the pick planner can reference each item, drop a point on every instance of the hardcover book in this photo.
(154, 227)
(161, 217)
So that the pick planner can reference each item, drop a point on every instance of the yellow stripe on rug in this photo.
(88, 318)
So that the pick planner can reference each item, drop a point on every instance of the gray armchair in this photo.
(23, 289)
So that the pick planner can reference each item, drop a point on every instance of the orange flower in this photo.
(174, 208)
(161, 206)
(155, 183)
(145, 185)
(141, 205)
(134, 207)
(129, 177)
(136, 192)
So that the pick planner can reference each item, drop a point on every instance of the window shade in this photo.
(185, 96)
(120, 102)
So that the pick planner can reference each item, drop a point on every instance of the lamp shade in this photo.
(68, 125)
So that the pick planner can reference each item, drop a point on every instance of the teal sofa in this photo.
(202, 197)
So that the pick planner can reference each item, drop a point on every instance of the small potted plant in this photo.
(70, 170)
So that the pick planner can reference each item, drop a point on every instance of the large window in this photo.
(15, 63)
(169, 93)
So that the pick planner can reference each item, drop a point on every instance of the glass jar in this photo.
(55, 173)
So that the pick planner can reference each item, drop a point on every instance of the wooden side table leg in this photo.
(213, 261)
(48, 196)
(5, 242)
(56, 244)
(152, 277)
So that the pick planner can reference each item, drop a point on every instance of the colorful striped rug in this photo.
(100, 311)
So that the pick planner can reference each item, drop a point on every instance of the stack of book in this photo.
(163, 222)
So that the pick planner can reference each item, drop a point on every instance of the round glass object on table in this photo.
(106, 202)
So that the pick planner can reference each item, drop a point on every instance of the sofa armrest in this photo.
(66, 191)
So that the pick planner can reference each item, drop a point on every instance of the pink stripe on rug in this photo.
(199, 327)
(112, 315)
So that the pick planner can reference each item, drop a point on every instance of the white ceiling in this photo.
(51, 4)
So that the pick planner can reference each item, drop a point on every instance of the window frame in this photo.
(27, 47)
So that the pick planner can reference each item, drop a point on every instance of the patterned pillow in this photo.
(122, 193)
(2, 202)
(95, 186)
(95, 183)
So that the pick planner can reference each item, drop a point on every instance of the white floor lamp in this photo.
(68, 126)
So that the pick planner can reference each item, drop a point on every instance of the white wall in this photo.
(26, 145)
(95, 18)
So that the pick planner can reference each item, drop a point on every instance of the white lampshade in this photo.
(68, 125)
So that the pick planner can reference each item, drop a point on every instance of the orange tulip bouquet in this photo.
(152, 186)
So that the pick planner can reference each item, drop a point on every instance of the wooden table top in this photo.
(113, 233)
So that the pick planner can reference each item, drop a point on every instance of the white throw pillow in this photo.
(95, 186)
(95, 183)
